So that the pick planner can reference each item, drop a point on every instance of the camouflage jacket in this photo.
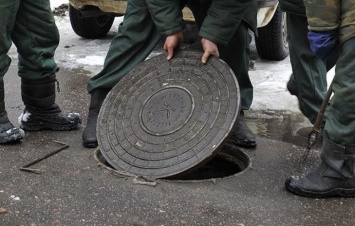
(223, 19)
(325, 15)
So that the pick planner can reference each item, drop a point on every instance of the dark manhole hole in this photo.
(228, 162)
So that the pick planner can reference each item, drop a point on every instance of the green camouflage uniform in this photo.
(325, 15)
(335, 175)
(308, 81)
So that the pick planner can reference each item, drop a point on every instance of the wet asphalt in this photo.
(73, 189)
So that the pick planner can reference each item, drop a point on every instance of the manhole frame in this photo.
(214, 180)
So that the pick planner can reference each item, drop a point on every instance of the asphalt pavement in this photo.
(73, 188)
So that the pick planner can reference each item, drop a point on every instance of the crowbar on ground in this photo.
(37, 171)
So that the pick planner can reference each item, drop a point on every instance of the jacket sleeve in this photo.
(223, 19)
(167, 15)
(323, 15)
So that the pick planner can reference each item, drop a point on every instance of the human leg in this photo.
(36, 37)
(335, 175)
(137, 37)
(41, 111)
(308, 81)
(341, 124)
(8, 11)
(236, 55)
(8, 132)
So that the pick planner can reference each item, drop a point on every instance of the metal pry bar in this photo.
(37, 171)
(313, 135)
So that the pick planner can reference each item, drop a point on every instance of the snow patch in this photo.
(91, 60)
(24, 117)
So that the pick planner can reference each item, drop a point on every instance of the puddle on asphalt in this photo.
(286, 126)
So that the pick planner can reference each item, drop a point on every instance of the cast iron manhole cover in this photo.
(165, 117)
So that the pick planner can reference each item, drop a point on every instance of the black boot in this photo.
(8, 132)
(242, 136)
(41, 112)
(89, 133)
(291, 86)
(333, 178)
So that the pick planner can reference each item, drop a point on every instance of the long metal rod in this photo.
(25, 167)
(313, 135)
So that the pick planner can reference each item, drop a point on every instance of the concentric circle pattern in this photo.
(166, 117)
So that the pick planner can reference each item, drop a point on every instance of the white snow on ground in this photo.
(269, 78)
(92, 60)
(56, 3)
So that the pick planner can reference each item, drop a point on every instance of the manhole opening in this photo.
(228, 162)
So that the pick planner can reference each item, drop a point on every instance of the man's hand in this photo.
(172, 42)
(209, 48)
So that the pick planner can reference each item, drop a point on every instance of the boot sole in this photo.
(338, 192)
(11, 139)
(37, 127)
(92, 144)
(242, 144)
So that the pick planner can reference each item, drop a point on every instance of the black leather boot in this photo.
(41, 112)
(333, 178)
(242, 136)
(8, 132)
(89, 133)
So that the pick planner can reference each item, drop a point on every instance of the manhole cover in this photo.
(166, 117)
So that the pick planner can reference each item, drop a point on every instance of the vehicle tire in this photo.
(90, 27)
(271, 42)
